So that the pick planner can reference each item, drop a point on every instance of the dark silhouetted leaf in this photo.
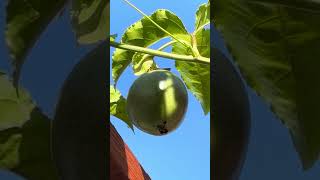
(24, 136)
(90, 20)
(35, 160)
(14, 111)
(26, 20)
(276, 46)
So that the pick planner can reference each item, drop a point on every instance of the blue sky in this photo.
(185, 153)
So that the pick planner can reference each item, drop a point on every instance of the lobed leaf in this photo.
(196, 76)
(144, 33)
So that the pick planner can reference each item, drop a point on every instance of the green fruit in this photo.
(157, 102)
(231, 119)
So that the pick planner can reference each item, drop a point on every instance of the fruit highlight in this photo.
(157, 102)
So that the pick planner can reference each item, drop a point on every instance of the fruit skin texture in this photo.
(157, 102)
(231, 119)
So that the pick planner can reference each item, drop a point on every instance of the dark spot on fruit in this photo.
(162, 128)
(163, 131)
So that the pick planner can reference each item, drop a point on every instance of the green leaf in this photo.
(196, 76)
(14, 111)
(24, 136)
(144, 33)
(118, 106)
(203, 42)
(113, 37)
(35, 161)
(90, 20)
(114, 94)
(25, 21)
(276, 46)
(143, 63)
(202, 16)
(10, 141)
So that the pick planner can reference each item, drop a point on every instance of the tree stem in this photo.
(200, 59)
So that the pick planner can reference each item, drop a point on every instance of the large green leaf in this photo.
(118, 106)
(144, 33)
(26, 20)
(195, 75)
(24, 136)
(90, 20)
(276, 46)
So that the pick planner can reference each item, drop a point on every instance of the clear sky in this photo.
(185, 153)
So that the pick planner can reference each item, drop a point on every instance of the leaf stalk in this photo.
(199, 59)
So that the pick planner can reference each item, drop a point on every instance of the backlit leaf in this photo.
(195, 75)
(118, 106)
(202, 16)
(144, 33)
(276, 46)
